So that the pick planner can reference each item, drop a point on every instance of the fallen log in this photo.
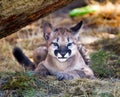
(16, 14)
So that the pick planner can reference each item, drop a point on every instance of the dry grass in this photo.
(27, 39)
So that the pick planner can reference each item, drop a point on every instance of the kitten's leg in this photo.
(86, 73)
(83, 73)
(67, 75)
(40, 54)
(84, 54)
(41, 70)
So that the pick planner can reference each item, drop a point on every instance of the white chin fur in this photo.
(59, 57)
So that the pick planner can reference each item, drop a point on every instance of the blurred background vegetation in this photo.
(100, 34)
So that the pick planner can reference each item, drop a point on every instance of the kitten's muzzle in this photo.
(62, 50)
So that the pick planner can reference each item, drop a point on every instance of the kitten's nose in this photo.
(63, 50)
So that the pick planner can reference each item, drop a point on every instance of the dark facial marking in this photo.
(56, 52)
(62, 50)
(68, 39)
(69, 44)
(55, 44)
(57, 39)
(56, 30)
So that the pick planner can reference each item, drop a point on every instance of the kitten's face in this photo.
(61, 41)
(62, 46)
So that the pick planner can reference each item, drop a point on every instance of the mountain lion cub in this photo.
(63, 55)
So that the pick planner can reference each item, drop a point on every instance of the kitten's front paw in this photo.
(63, 76)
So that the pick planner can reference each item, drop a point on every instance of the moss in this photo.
(106, 61)
(105, 64)
(27, 85)
(16, 82)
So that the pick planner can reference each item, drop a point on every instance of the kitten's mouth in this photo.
(62, 57)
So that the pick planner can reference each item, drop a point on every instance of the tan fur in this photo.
(63, 56)
(74, 66)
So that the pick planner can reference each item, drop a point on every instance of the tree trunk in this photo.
(15, 14)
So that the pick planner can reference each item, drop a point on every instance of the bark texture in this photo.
(15, 14)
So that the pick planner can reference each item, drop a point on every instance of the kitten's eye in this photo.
(55, 44)
(69, 44)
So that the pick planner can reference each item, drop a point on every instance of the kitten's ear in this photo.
(76, 28)
(47, 29)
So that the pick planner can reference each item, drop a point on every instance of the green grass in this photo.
(105, 64)
(28, 85)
